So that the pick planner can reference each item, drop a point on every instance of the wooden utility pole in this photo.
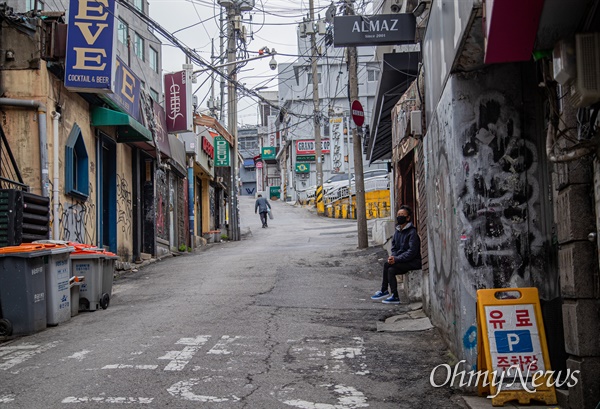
(316, 112)
(359, 181)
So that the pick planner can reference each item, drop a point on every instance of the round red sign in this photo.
(358, 114)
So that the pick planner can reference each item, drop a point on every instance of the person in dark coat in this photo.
(263, 206)
(406, 256)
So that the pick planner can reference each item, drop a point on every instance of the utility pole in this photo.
(221, 61)
(359, 181)
(316, 113)
(232, 119)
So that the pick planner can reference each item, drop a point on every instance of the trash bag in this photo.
(270, 214)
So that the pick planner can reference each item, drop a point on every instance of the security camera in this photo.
(273, 64)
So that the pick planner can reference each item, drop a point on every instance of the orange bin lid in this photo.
(23, 248)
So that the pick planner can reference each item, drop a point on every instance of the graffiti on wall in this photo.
(77, 219)
(162, 205)
(484, 212)
(124, 205)
(499, 197)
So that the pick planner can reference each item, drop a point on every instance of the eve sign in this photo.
(89, 64)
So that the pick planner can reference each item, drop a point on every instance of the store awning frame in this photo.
(397, 73)
(128, 129)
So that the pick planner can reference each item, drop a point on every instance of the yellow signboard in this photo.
(512, 349)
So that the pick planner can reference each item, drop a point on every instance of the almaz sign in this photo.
(351, 31)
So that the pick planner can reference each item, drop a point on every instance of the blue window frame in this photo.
(76, 165)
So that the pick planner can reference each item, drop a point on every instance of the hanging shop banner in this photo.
(512, 346)
(268, 153)
(127, 90)
(178, 102)
(307, 147)
(302, 167)
(90, 59)
(222, 156)
(336, 132)
(378, 29)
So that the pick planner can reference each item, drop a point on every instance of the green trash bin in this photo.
(58, 293)
(23, 289)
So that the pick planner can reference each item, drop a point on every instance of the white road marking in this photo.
(183, 390)
(350, 399)
(85, 399)
(122, 366)
(79, 355)
(7, 398)
(221, 347)
(179, 359)
(20, 355)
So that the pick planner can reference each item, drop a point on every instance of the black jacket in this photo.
(406, 246)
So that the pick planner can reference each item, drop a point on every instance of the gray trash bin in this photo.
(22, 289)
(58, 293)
(90, 264)
(74, 284)
(108, 273)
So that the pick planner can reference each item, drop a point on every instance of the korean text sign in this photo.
(89, 64)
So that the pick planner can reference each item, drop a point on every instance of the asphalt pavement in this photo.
(280, 319)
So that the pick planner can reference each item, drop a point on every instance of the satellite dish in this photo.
(330, 14)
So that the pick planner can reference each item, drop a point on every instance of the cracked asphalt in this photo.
(281, 319)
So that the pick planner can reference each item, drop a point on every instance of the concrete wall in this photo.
(483, 196)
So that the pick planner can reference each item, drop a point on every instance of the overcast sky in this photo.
(274, 24)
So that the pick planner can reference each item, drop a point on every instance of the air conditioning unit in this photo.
(588, 68)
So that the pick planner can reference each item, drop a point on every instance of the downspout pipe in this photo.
(55, 143)
(42, 123)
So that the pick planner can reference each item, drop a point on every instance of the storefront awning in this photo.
(397, 73)
(128, 129)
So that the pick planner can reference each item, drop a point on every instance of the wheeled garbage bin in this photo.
(23, 289)
(58, 293)
(90, 264)
(74, 284)
(108, 273)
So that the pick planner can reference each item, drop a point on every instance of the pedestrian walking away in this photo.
(406, 256)
(262, 206)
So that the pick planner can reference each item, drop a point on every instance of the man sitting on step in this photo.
(406, 256)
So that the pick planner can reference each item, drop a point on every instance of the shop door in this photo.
(107, 193)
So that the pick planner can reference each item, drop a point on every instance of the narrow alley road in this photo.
(281, 319)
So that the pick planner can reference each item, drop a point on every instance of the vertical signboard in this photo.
(89, 63)
(161, 136)
(512, 346)
(127, 90)
(178, 104)
(221, 152)
(271, 131)
(336, 134)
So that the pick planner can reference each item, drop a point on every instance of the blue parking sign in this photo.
(513, 341)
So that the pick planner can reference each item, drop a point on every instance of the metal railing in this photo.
(10, 177)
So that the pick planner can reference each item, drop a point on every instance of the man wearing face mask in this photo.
(406, 256)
